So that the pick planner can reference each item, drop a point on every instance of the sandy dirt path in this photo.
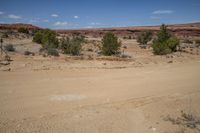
(130, 100)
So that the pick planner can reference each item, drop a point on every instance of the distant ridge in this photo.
(184, 30)
(17, 26)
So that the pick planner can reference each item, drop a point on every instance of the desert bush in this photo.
(23, 30)
(72, 46)
(129, 37)
(9, 48)
(187, 41)
(80, 38)
(197, 43)
(111, 45)
(5, 35)
(161, 48)
(165, 43)
(29, 53)
(186, 120)
(38, 37)
(144, 37)
(47, 38)
(90, 50)
(52, 51)
(172, 43)
(125, 56)
(34, 31)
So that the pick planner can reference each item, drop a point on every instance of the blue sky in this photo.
(71, 14)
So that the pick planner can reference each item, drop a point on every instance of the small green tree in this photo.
(144, 37)
(111, 45)
(164, 34)
(165, 43)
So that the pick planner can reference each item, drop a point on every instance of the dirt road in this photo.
(129, 100)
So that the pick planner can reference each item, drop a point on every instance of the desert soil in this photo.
(51, 95)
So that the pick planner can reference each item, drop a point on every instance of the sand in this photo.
(91, 100)
(65, 95)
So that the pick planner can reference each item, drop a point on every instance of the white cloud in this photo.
(95, 23)
(33, 21)
(54, 15)
(155, 17)
(60, 23)
(76, 17)
(12, 16)
(163, 12)
(1, 13)
(89, 27)
(46, 20)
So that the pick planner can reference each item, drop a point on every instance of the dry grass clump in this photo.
(9, 48)
(187, 120)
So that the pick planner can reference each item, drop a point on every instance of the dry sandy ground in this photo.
(63, 95)
(91, 100)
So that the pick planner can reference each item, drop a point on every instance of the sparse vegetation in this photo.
(29, 53)
(186, 120)
(9, 48)
(111, 45)
(38, 35)
(52, 52)
(165, 43)
(197, 43)
(23, 30)
(90, 50)
(5, 35)
(47, 38)
(72, 46)
(187, 41)
(144, 38)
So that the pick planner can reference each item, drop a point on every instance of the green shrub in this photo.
(47, 38)
(111, 45)
(23, 30)
(72, 46)
(5, 35)
(164, 34)
(144, 37)
(165, 42)
(172, 43)
(38, 37)
(9, 48)
(52, 51)
(161, 48)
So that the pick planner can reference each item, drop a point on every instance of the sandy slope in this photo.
(89, 100)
